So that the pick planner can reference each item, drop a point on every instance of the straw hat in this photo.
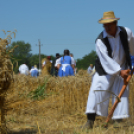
(108, 17)
(35, 66)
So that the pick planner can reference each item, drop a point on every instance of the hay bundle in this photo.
(6, 71)
(5, 67)
(82, 72)
(47, 67)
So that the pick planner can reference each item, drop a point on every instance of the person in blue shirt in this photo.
(66, 65)
(34, 71)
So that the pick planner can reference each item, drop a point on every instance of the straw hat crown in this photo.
(108, 17)
(35, 66)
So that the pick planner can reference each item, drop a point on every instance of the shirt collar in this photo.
(105, 34)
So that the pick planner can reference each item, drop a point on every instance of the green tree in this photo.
(34, 59)
(21, 53)
(86, 60)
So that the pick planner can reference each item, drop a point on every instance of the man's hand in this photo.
(124, 73)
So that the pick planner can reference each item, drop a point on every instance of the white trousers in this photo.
(113, 84)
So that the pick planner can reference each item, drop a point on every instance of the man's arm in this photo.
(73, 63)
(43, 64)
(110, 66)
(58, 63)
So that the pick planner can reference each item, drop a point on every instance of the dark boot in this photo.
(90, 121)
(89, 124)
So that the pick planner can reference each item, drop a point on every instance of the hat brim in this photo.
(104, 21)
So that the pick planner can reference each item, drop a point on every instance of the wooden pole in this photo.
(40, 67)
(119, 96)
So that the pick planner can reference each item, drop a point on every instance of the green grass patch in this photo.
(40, 92)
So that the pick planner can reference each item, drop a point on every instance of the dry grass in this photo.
(60, 112)
(65, 96)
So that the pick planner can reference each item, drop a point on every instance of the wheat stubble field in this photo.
(61, 108)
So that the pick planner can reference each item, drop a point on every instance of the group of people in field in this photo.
(61, 66)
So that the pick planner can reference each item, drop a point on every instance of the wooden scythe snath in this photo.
(119, 96)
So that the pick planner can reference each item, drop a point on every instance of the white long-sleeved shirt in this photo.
(113, 65)
(56, 62)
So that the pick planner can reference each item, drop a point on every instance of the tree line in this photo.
(22, 55)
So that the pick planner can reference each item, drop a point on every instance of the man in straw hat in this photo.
(113, 47)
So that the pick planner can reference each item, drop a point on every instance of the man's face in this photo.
(110, 28)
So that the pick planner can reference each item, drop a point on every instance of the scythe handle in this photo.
(120, 94)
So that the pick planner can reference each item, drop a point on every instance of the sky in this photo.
(61, 24)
